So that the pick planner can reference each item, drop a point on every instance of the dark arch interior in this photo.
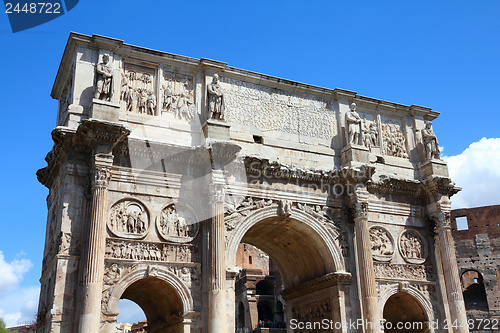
(241, 316)
(473, 291)
(265, 312)
(298, 251)
(264, 287)
(160, 302)
(404, 308)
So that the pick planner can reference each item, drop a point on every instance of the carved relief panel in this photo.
(382, 244)
(412, 247)
(134, 250)
(403, 271)
(128, 218)
(177, 223)
(315, 312)
(137, 89)
(394, 139)
(178, 95)
(370, 131)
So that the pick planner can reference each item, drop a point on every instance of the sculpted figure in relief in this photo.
(151, 103)
(104, 79)
(353, 124)
(173, 224)
(412, 247)
(431, 145)
(183, 101)
(215, 99)
(381, 242)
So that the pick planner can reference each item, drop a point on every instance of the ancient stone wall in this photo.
(477, 247)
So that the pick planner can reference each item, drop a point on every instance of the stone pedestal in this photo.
(218, 130)
(433, 167)
(354, 154)
(103, 110)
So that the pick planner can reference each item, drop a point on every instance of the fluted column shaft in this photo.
(369, 299)
(93, 274)
(217, 288)
(450, 273)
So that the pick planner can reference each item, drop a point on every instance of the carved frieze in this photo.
(315, 312)
(128, 218)
(134, 250)
(137, 91)
(413, 247)
(394, 139)
(382, 244)
(177, 223)
(244, 208)
(178, 95)
(402, 271)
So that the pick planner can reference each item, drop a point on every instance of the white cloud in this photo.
(20, 304)
(477, 171)
(16, 303)
(12, 273)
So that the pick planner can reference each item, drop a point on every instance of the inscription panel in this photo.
(271, 109)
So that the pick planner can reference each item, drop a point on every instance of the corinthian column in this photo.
(450, 271)
(369, 300)
(217, 321)
(93, 270)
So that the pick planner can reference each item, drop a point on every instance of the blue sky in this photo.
(440, 54)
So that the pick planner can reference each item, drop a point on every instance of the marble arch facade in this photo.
(163, 164)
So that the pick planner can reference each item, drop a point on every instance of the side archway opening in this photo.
(404, 314)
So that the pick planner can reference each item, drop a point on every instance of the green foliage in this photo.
(2, 327)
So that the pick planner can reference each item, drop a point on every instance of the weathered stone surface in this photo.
(189, 158)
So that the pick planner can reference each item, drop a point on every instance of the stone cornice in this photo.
(317, 284)
(435, 185)
(94, 132)
(68, 141)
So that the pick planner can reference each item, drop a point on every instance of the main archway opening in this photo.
(160, 303)
(404, 314)
(295, 254)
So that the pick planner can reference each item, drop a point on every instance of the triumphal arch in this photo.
(163, 164)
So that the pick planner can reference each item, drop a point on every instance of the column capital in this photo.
(101, 171)
(441, 220)
(439, 212)
(217, 193)
(359, 201)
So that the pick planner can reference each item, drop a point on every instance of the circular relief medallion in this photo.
(412, 247)
(382, 244)
(128, 218)
(177, 223)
